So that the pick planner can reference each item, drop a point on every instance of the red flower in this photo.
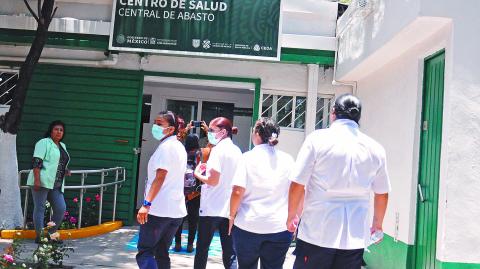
(75, 200)
(88, 199)
(97, 197)
(73, 220)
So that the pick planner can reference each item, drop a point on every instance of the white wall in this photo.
(459, 237)
(391, 114)
(384, 53)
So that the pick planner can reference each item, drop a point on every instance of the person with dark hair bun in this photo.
(164, 206)
(47, 178)
(347, 107)
(217, 174)
(259, 201)
(336, 171)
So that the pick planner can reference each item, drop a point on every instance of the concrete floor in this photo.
(110, 251)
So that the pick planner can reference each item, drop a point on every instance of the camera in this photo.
(197, 124)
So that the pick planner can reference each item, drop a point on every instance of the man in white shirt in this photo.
(335, 172)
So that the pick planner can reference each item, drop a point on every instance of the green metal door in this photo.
(101, 109)
(429, 170)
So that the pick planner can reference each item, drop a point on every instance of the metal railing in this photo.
(119, 171)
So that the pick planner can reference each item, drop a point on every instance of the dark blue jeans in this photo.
(206, 229)
(314, 257)
(270, 249)
(154, 241)
(57, 202)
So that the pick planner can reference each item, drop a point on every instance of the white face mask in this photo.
(157, 132)
(212, 138)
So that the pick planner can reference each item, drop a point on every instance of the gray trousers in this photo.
(57, 202)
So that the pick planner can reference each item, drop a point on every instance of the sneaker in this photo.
(177, 248)
(190, 248)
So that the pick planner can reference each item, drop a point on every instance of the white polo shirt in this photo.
(264, 172)
(172, 157)
(339, 167)
(215, 200)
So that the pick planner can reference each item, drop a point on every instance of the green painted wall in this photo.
(450, 265)
(99, 107)
(399, 255)
(389, 255)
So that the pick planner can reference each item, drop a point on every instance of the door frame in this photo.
(421, 161)
(197, 79)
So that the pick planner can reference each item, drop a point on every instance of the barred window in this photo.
(324, 105)
(287, 111)
(8, 82)
(290, 111)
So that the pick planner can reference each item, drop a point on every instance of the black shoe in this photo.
(190, 248)
(177, 248)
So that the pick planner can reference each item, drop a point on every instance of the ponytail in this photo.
(268, 130)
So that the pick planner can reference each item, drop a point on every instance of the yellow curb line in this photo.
(67, 234)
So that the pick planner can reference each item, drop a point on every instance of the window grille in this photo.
(287, 111)
(324, 106)
(290, 111)
(8, 83)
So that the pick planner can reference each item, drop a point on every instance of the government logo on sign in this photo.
(196, 43)
(256, 47)
(120, 39)
(206, 44)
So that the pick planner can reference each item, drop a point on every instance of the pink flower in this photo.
(8, 258)
(97, 197)
(66, 213)
(51, 224)
(75, 200)
(88, 199)
(73, 220)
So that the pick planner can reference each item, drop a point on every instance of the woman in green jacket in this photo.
(50, 161)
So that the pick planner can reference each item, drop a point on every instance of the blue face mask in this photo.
(212, 139)
(157, 132)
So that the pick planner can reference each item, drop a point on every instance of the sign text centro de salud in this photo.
(220, 28)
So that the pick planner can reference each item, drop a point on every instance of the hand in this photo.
(189, 125)
(142, 215)
(68, 173)
(231, 220)
(292, 223)
(376, 227)
(204, 126)
(200, 169)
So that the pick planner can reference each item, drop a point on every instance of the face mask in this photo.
(157, 132)
(212, 139)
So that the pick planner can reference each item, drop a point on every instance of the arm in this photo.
(212, 177)
(235, 200)
(36, 179)
(142, 215)
(295, 204)
(380, 207)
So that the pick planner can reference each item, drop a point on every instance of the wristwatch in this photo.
(146, 203)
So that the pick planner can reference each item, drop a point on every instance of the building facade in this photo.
(108, 98)
(413, 64)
